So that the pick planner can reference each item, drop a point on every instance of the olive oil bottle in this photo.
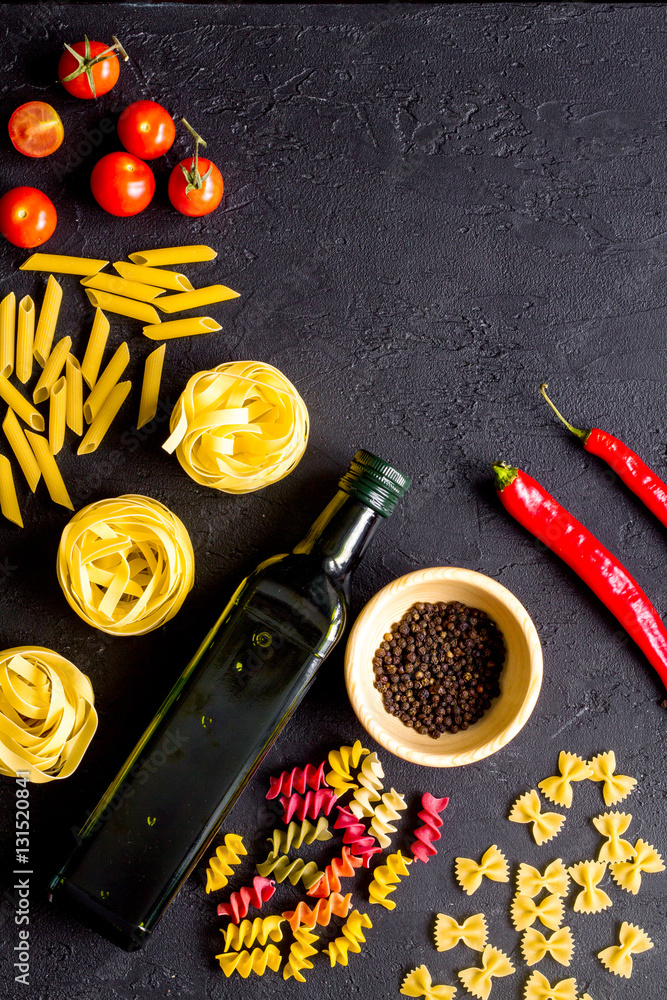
(155, 820)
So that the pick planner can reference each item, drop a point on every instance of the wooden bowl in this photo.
(520, 680)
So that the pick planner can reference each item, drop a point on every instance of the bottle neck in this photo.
(340, 535)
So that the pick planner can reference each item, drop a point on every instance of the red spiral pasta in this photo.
(362, 843)
(334, 905)
(248, 895)
(342, 867)
(297, 780)
(308, 807)
(423, 848)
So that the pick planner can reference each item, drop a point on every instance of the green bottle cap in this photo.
(374, 482)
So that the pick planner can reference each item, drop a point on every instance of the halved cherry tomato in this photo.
(122, 184)
(35, 129)
(146, 129)
(190, 191)
(27, 217)
(90, 69)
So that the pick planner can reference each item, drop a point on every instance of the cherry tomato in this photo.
(27, 217)
(90, 69)
(199, 200)
(35, 129)
(146, 129)
(122, 184)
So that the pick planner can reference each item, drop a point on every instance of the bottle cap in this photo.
(374, 482)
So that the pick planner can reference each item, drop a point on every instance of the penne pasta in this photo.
(154, 276)
(63, 264)
(25, 338)
(57, 415)
(49, 469)
(104, 418)
(7, 334)
(9, 503)
(97, 341)
(74, 400)
(181, 328)
(150, 389)
(173, 255)
(24, 454)
(196, 298)
(122, 286)
(122, 306)
(20, 405)
(48, 317)
(52, 369)
(106, 382)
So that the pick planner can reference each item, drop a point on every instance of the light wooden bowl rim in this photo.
(422, 749)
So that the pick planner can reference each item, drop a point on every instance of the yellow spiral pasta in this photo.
(220, 865)
(245, 962)
(261, 929)
(299, 953)
(47, 718)
(238, 427)
(126, 564)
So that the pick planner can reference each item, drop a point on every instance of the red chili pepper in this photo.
(544, 517)
(628, 466)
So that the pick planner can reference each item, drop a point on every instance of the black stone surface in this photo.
(429, 209)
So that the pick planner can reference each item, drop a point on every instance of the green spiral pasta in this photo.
(281, 867)
(298, 834)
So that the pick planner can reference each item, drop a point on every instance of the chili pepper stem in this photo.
(583, 435)
(504, 474)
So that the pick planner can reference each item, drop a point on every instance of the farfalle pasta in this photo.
(471, 932)
(495, 964)
(422, 848)
(321, 913)
(525, 911)
(530, 881)
(559, 789)
(299, 955)
(47, 714)
(591, 899)
(297, 834)
(351, 938)
(632, 941)
(385, 879)
(245, 962)
(220, 867)
(535, 946)
(341, 762)
(238, 427)
(370, 786)
(611, 825)
(615, 787)
(469, 873)
(538, 987)
(297, 870)
(260, 930)
(528, 809)
(384, 815)
(628, 874)
(418, 983)
(125, 565)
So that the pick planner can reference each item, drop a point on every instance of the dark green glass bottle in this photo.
(153, 823)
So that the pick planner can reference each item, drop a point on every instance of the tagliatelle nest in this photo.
(126, 564)
(47, 718)
(238, 427)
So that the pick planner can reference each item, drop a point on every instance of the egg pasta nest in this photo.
(125, 565)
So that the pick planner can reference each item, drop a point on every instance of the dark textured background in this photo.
(428, 210)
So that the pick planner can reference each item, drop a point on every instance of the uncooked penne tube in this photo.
(122, 286)
(63, 264)
(22, 450)
(150, 389)
(173, 255)
(106, 382)
(97, 341)
(181, 328)
(57, 415)
(48, 317)
(74, 403)
(7, 334)
(49, 469)
(122, 306)
(154, 276)
(199, 297)
(25, 338)
(104, 418)
(9, 503)
(20, 405)
(52, 369)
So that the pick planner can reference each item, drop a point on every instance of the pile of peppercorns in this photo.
(438, 669)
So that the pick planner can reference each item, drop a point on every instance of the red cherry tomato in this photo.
(89, 69)
(35, 129)
(197, 201)
(27, 217)
(146, 129)
(122, 184)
